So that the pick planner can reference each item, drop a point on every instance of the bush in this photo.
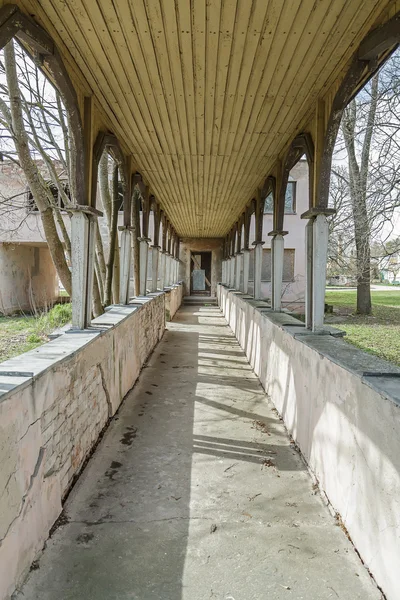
(58, 316)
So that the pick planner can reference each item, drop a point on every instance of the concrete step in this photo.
(199, 300)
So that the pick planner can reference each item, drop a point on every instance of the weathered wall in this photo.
(28, 278)
(173, 300)
(189, 245)
(346, 423)
(52, 412)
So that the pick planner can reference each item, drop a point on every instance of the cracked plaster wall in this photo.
(49, 425)
(347, 431)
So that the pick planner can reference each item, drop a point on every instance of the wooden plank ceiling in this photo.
(206, 93)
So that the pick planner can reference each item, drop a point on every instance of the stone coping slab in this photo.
(20, 370)
(377, 373)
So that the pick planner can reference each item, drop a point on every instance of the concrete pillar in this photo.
(144, 252)
(125, 266)
(258, 255)
(223, 271)
(176, 270)
(232, 277)
(309, 273)
(162, 270)
(154, 268)
(320, 255)
(238, 261)
(167, 270)
(246, 270)
(80, 232)
(277, 253)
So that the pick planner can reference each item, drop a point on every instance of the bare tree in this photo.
(366, 192)
(34, 133)
(13, 118)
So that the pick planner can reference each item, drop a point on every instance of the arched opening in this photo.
(110, 192)
(364, 232)
(42, 144)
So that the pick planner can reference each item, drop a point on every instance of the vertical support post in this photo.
(309, 273)
(258, 255)
(135, 219)
(320, 255)
(126, 241)
(258, 244)
(238, 273)
(154, 268)
(126, 253)
(80, 234)
(246, 270)
(166, 278)
(277, 254)
(144, 252)
(162, 269)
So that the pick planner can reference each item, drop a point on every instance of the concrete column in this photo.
(79, 243)
(320, 255)
(125, 266)
(176, 270)
(309, 273)
(258, 255)
(144, 252)
(238, 264)
(246, 270)
(277, 253)
(173, 270)
(162, 270)
(232, 277)
(224, 271)
(154, 268)
(167, 270)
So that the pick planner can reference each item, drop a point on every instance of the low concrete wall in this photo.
(173, 300)
(54, 402)
(342, 407)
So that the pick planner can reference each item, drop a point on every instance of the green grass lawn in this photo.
(378, 333)
(19, 334)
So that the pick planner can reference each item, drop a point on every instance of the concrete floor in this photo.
(195, 493)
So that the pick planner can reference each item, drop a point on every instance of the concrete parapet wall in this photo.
(173, 300)
(54, 402)
(342, 407)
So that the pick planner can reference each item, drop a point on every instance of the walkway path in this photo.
(195, 493)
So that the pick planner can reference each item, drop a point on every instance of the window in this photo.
(30, 201)
(290, 200)
(288, 265)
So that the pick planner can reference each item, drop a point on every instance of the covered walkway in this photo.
(196, 492)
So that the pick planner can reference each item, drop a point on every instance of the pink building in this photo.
(297, 202)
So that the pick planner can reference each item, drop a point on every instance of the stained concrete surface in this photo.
(195, 492)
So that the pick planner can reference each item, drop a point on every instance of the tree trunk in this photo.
(113, 239)
(135, 220)
(33, 177)
(101, 273)
(97, 305)
(100, 279)
(358, 178)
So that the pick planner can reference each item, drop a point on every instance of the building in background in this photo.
(297, 202)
